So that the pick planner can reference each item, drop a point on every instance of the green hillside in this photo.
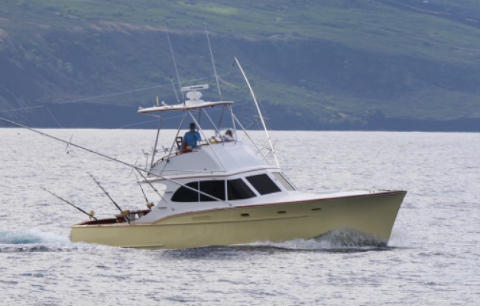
(322, 64)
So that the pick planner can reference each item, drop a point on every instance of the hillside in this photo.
(385, 64)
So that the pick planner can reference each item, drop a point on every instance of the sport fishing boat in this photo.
(225, 189)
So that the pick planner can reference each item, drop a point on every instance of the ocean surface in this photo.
(433, 257)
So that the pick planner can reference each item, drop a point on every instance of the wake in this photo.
(34, 240)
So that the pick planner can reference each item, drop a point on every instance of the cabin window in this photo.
(214, 188)
(238, 190)
(263, 183)
(184, 194)
(283, 181)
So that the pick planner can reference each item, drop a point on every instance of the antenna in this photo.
(212, 58)
(173, 59)
(258, 110)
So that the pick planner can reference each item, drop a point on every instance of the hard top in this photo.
(188, 105)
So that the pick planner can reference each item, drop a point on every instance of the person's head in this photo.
(229, 133)
(192, 127)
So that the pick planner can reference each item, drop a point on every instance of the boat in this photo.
(227, 190)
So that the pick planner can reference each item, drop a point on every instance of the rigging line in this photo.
(135, 124)
(249, 138)
(69, 143)
(110, 94)
(174, 61)
(54, 118)
(148, 121)
(21, 108)
(200, 129)
(212, 58)
(219, 124)
(233, 124)
(114, 159)
(153, 187)
(174, 141)
(143, 191)
(131, 171)
(217, 132)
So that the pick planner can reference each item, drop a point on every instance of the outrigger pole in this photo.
(212, 58)
(174, 63)
(71, 204)
(258, 110)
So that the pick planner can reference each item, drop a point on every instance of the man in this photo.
(191, 138)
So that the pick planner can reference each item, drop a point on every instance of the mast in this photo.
(259, 112)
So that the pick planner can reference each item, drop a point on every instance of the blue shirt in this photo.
(191, 138)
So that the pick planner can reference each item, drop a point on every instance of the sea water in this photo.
(433, 257)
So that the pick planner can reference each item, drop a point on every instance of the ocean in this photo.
(432, 258)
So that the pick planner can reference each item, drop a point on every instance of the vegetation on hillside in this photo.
(332, 61)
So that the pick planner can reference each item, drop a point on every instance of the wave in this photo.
(33, 240)
(341, 240)
(31, 236)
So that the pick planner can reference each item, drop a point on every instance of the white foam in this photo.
(333, 240)
(32, 236)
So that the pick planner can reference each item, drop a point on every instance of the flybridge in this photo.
(221, 152)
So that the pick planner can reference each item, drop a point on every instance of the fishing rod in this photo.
(91, 214)
(123, 212)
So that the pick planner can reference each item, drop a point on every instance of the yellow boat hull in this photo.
(372, 214)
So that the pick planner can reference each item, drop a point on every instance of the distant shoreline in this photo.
(103, 116)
